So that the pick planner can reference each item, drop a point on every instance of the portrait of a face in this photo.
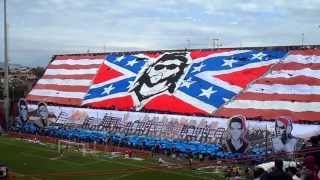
(43, 111)
(236, 127)
(283, 126)
(236, 140)
(23, 110)
(280, 128)
(235, 130)
(161, 76)
(283, 141)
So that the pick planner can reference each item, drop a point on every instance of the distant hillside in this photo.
(14, 66)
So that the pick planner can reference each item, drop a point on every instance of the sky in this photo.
(39, 29)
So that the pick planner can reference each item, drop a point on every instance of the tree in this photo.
(38, 71)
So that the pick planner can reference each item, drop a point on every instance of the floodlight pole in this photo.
(215, 42)
(188, 44)
(6, 69)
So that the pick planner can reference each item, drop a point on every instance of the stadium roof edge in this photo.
(290, 47)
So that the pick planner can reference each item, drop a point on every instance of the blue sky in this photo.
(39, 29)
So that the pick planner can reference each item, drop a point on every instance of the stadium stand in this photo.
(279, 80)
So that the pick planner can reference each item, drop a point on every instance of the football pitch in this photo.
(27, 160)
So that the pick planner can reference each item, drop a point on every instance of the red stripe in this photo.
(166, 103)
(243, 77)
(153, 55)
(306, 52)
(278, 97)
(120, 103)
(290, 81)
(76, 76)
(62, 87)
(295, 66)
(106, 73)
(56, 100)
(68, 66)
(79, 56)
(203, 53)
(269, 114)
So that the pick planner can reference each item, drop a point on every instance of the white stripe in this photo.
(195, 102)
(218, 82)
(294, 73)
(276, 105)
(70, 71)
(244, 67)
(303, 59)
(228, 53)
(98, 99)
(71, 82)
(78, 62)
(53, 93)
(284, 89)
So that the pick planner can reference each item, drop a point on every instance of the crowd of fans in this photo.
(308, 170)
(189, 150)
(154, 144)
(308, 167)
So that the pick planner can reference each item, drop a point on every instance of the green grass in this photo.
(33, 161)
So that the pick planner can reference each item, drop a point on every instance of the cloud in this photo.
(39, 29)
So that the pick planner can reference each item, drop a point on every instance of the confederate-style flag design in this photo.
(180, 82)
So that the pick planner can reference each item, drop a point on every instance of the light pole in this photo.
(302, 39)
(215, 42)
(188, 44)
(12, 94)
(6, 67)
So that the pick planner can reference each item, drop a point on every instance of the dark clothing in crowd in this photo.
(310, 172)
(258, 173)
(277, 172)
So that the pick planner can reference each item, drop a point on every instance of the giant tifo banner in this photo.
(258, 84)
(173, 126)
(291, 87)
(186, 82)
(235, 134)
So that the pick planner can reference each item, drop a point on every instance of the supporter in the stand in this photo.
(292, 172)
(284, 141)
(258, 173)
(3, 171)
(315, 148)
(277, 172)
(310, 170)
(236, 141)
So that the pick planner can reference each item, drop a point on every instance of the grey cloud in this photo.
(41, 28)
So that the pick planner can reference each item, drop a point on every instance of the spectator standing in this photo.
(310, 170)
(277, 172)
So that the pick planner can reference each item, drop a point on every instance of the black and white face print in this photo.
(23, 110)
(164, 75)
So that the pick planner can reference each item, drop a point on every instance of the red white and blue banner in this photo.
(290, 88)
(180, 82)
(224, 82)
